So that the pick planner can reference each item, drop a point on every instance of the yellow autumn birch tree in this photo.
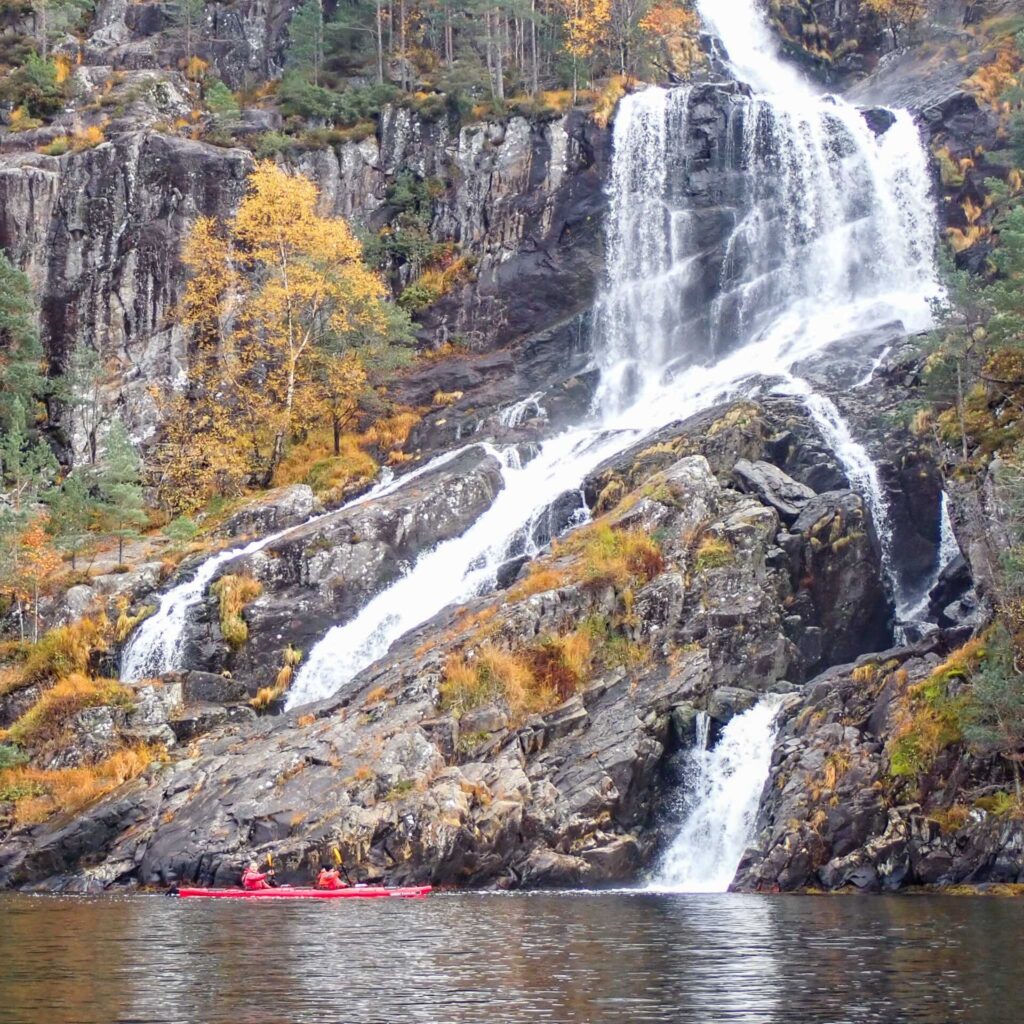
(274, 293)
(585, 23)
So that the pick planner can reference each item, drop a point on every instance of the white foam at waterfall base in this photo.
(720, 804)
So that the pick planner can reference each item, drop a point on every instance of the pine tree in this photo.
(72, 512)
(21, 354)
(56, 18)
(1007, 294)
(81, 388)
(122, 503)
(222, 104)
(995, 715)
(306, 40)
(27, 465)
(188, 15)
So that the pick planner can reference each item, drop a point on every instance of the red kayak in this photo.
(283, 892)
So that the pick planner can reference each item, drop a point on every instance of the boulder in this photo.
(773, 487)
(272, 512)
(841, 588)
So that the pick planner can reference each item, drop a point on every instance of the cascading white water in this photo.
(860, 470)
(834, 236)
(833, 233)
(854, 192)
(519, 412)
(721, 803)
(157, 646)
(949, 546)
(458, 569)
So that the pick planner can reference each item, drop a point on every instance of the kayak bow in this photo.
(355, 891)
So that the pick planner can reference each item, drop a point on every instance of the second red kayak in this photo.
(353, 892)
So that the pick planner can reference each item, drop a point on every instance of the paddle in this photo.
(341, 867)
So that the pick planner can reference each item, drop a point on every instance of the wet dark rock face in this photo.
(100, 235)
(835, 812)
(409, 790)
(321, 574)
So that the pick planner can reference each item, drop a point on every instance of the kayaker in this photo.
(329, 879)
(252, 878)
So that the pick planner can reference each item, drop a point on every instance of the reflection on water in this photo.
(566, 958)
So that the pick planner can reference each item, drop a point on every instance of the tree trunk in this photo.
(401, 46)
(535, 79)
(499, 69)
(960, 406)
(489, 49)
(336, 423)
(380, 44)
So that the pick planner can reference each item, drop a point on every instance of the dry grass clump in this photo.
(713, 553)
(125, 622)
(234, 592)
(530, 680)
(391, 432)
(65, 650)
(540, 579)
(46, 720)
(928, 716)
(608, 99)
(491, 675)
(266, 695)
(618, 558)
(37, 794)
(314, 462)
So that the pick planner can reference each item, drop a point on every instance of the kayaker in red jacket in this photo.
(253, 879)
(329, 879)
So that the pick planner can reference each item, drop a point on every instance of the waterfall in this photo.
(859, 468)
(158, 644)
(827, 229)
(519, 412)
(721, 803)
(949, 546)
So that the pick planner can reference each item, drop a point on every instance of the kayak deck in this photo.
(284, 892)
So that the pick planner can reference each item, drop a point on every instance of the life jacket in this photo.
(329, 880)
(253, 880)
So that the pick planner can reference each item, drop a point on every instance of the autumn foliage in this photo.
(282, 310)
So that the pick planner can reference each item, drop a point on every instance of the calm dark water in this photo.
(562, 957)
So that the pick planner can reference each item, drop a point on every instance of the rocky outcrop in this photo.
(242, 40)
(319, 575)
(412, 787)
(273, 512)
(844, 806)
(100, 234)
